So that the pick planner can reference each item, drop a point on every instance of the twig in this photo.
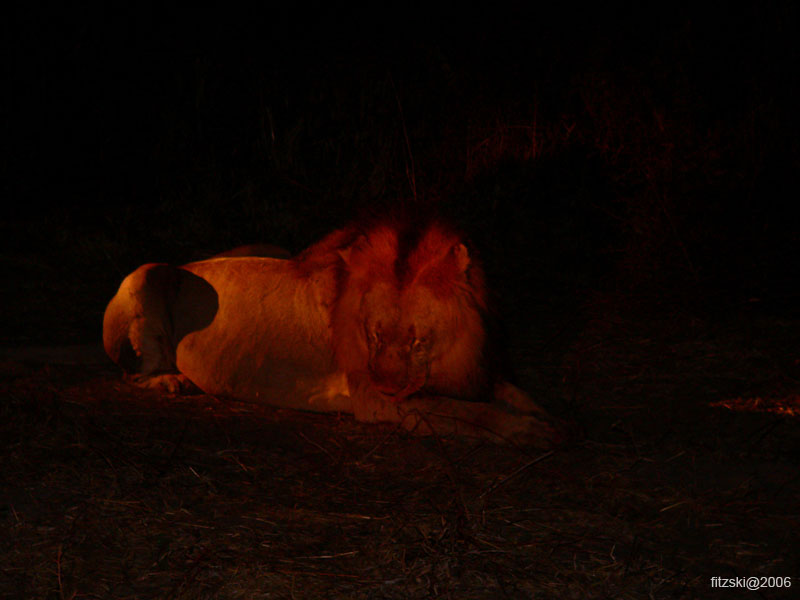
(505, 480)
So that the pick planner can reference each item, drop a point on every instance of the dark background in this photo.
(643, 151)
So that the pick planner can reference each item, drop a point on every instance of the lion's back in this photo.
(269, 337)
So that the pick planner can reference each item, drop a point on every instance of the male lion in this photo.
(384, 323)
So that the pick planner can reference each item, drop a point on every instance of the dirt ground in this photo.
(109, 491)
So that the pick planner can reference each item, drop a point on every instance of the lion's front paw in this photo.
(509, 397)
(169, 383)
(538, 431)
(541, 433)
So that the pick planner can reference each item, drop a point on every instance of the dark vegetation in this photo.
(627, 177)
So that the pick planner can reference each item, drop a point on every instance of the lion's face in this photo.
(399, 342)
(423, 331)
(408, 314)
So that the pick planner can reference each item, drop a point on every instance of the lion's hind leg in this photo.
(137, 325)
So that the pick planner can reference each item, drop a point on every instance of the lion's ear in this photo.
(461, 257)
(347, 253)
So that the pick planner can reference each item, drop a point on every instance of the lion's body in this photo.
(215, 322)
(365, 323)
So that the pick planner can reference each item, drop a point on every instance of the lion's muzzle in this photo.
(396, 371)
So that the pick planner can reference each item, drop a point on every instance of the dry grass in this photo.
(114, 492)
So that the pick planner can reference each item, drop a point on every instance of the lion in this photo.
(383, 322)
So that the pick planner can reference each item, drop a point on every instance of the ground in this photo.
(114, 492)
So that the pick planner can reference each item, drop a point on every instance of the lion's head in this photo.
(409, 312)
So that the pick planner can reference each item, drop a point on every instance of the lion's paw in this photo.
(168, 383)
(535, 431)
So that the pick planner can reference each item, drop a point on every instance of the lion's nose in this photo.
(389, 370)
